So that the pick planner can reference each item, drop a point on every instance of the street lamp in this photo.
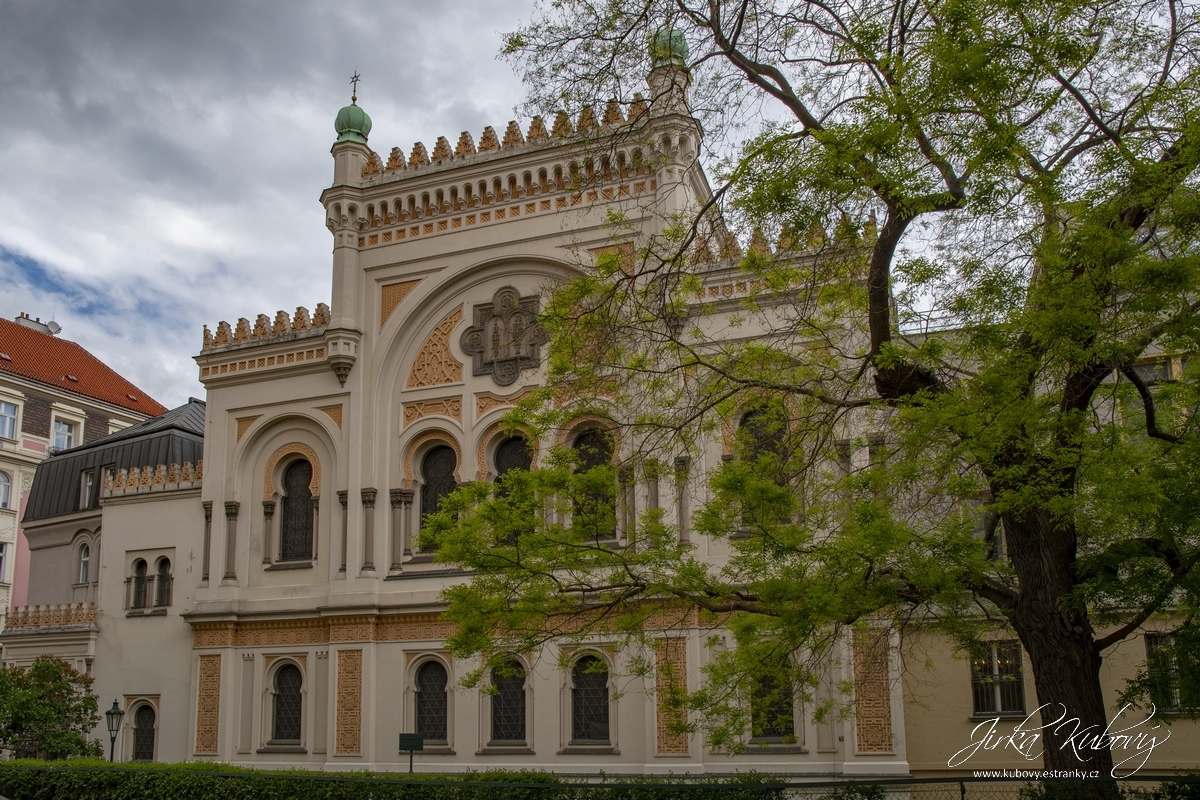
(113, 718)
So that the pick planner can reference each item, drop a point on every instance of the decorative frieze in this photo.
(428, 627)
(670, 676)
(264, 330)
(280, 360)
(392, 295)
(208, 704)
(348, 728)
(872, 691)
(435, 364)
(443, 407)
(159, 478)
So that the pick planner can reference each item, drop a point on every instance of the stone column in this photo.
(396, 496)
(368, 501)
(207, 537)
(316, 504)
(231, 515)
(406, 497)
(268, 523)
(682, 468)
(343, 498)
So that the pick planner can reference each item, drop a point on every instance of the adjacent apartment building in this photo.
(54, 395)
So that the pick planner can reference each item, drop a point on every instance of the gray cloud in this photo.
(162, 161)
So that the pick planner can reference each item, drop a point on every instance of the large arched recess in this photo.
(409, 326)
(257, 462)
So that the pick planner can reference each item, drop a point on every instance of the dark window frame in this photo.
(510, 712)
(143, 737)
(431, 709)
(591, 712)
(296, 512)
(287, 705)
(998, 680)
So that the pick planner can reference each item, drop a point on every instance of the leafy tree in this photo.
(1029, 173)
(48, 710)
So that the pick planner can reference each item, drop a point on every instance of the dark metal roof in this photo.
(171, 438)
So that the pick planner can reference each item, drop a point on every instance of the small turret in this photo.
(350, 151)
(669, 77)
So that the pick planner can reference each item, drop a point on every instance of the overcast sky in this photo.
(161, 162)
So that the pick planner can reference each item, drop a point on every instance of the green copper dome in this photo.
(352, 125)
(668, 48)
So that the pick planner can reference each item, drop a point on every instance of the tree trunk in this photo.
(1061, 644)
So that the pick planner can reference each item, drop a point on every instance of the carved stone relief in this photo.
(505, 337)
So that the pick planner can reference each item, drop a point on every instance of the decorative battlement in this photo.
(51, 615)
(490, 144)
(264, 330)
(160, 478)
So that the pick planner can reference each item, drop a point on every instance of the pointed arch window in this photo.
(143, 733)
(296, 517)
(432, 703)
(508, 705)
(286, 714)
(437, 474)
(589, 702)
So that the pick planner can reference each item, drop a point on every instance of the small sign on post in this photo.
(412, 742)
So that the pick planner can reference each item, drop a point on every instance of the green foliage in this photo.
(1033, 173)
(82, 780)
(48, 709)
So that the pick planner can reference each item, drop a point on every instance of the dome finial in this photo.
(352, 123)
(354, 79)
(668, 48)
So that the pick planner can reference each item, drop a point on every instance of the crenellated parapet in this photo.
(153, 479)
(611, 157)
(51, 615)
(263, 330)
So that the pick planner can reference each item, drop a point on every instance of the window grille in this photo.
(437, 472)
(143, 734)
(997, 684)
(589, 702)
(286, 728)
(296, 517)
(513, 453)
(597, 511)
(508, 705)
(432, 703)
(773, 712)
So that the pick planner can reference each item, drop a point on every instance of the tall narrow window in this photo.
(432, 705)
(8, 420)
(162, 583)
(85, 557)
(139, 584)
(508, 705)
(596, 508)
(589, 702)
(437, 475)
(3, 562)
(1167, 669)
(87, 488)
(286, 714)
(997, 685)
(5, 490)
(772, 709)
(143, 733)
(64, 435)
(296, 517)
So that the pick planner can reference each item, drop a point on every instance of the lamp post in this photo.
(113, 718)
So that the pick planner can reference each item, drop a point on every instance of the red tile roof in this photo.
(53, 361)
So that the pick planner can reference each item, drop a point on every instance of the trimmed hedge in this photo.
(88, 780)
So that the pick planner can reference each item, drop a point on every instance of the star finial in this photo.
(354, 79)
